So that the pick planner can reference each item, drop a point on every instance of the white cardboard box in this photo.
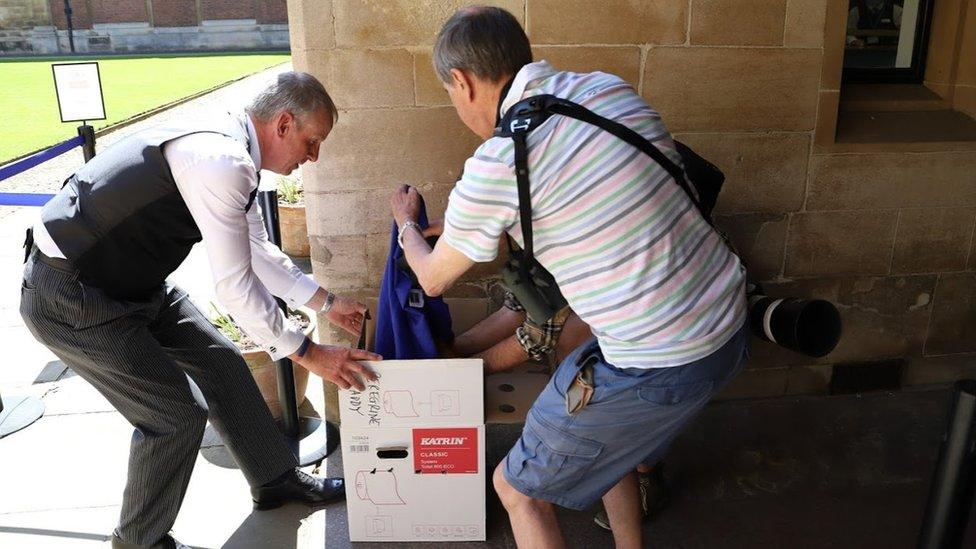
(413, 452)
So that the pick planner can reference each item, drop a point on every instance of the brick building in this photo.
(41, 27)
(852, 193)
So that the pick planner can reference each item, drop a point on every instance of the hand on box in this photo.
(338, 365)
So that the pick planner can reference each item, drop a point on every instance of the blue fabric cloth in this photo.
(405, 331)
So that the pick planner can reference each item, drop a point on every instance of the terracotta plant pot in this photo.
(294, 229)
(265, 373)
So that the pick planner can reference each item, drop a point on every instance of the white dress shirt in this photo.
(215, 176)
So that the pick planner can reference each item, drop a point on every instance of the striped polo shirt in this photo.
(628, 248)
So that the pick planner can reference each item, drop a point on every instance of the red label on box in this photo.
(445, 451)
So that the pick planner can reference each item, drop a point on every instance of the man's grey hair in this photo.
(299, 93)
(486, 41)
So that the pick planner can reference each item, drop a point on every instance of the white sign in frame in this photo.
(79, 90)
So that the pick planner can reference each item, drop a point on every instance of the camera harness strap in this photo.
(528, 114)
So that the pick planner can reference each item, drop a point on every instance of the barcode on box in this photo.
(359, 448)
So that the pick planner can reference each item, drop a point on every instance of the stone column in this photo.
(396, 125)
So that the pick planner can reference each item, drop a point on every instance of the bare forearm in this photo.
(502, 356)
(418, 252)
(575, 333)
(493, 329)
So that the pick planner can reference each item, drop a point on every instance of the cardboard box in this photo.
(413, 452)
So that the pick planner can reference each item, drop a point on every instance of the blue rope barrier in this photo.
(10, 170)
(25, 164)
(24, 199)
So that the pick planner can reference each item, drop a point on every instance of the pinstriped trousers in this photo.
(166, 369)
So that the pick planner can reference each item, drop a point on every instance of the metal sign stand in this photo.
(311, 439)
(17, 412)
(87, 133)
(954, 482)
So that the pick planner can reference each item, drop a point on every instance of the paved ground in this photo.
(793, 472)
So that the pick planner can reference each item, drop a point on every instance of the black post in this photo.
(286, 376)
(88, 147)
(953, 486)
(71, 33)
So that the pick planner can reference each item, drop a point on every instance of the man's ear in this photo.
(464, 82)
(283, 122)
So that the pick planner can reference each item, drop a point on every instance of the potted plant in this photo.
(291, 217)
(263, 369)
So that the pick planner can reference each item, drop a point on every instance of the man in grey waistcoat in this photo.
(95, 293)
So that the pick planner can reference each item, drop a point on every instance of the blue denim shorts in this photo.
(632, 418)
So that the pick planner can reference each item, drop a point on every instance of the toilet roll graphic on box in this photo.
(413, 450)
(378, 487)
(399, 403)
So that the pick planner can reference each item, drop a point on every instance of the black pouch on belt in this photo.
(532, 285)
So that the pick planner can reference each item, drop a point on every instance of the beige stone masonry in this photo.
(607, 21)
(310, 25)
(428, 87)
(839, 243)
(339, 262)
(826, 130)
(623, 61)
(371, 23)
(932, 240)
(764, 172)
(892, 180)
(804, 23)
(738, 22)
(750, 89)
(952, 329)
(944, 32)
(342, 213)
(760, 240)
(365, 78)
(966, 62)
(380, 148)
(971, 263)
(964, 99)
(834, 33)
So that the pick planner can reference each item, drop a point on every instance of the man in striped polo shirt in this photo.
(634, 258)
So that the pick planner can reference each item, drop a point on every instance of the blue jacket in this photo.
(407, 325)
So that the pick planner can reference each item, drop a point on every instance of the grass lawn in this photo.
(131, 85)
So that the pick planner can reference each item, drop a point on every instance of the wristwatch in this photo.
(329, 301)
(403, 229)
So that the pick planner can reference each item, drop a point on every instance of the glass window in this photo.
(886, 40)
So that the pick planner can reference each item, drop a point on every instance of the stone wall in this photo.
(15, 14)
(40, 26)
(887, 235)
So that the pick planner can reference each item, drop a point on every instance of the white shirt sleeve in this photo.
(274, 268)
(215, 176)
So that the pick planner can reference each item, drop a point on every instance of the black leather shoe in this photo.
(166, 543)
(298, 487)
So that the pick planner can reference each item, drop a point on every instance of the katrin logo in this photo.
(443, 441)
